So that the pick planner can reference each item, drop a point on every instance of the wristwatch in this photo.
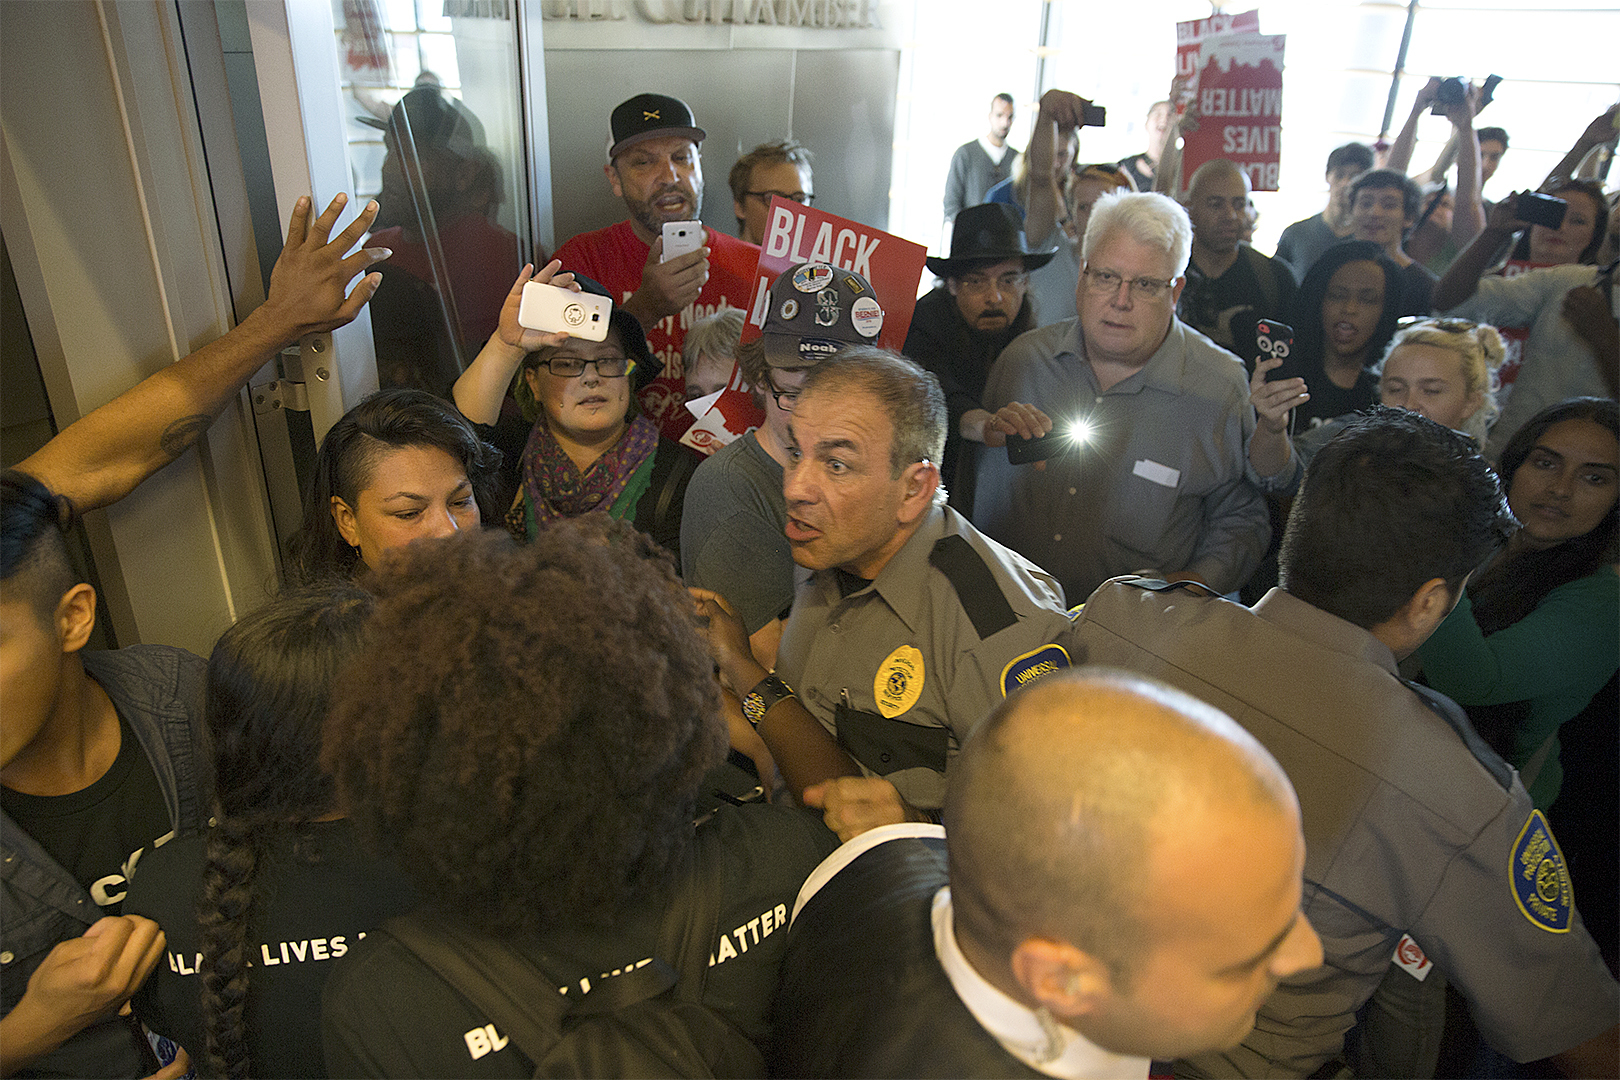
(767, 692)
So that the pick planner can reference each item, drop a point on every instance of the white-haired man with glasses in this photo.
(1154, 416)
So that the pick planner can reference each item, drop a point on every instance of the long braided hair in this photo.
(269, 682)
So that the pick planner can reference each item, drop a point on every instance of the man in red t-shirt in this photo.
(654, 166)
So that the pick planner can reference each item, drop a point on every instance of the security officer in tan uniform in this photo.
(1422, 848)
(914, 626)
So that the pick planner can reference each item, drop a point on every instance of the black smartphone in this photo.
(1022, 451)
(1272, 341)
(1539, 209)
(1094, 116)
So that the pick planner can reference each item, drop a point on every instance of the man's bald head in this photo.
(1057, 803)
(1217, 203)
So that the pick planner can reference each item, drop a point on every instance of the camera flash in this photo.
(1080, 431)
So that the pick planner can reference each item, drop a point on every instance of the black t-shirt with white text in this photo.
(387, 1014)
(316, 893)
(99, 834)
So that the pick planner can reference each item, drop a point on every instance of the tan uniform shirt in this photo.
(1412, 826)
(903, 669)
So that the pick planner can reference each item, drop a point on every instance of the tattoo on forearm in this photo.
(182, 433)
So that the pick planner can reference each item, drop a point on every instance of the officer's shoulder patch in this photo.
(1539, 878)
(1035, 664)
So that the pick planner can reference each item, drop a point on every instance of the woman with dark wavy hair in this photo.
(402, 465)
(256, 908)
(1538, 632)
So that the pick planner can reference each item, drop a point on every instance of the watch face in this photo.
(754, 708)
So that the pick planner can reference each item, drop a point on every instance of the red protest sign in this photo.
(1191, 35)
(1239, 107)
(799, 234)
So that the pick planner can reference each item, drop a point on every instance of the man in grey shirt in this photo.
(1303, 242)
(1156, 483)
(980, 164)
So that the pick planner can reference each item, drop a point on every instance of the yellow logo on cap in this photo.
(899, 682)
(653, 115)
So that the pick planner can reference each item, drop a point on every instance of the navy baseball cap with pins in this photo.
(815, 310)
(651, 116)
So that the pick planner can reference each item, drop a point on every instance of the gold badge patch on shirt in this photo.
(899, 682)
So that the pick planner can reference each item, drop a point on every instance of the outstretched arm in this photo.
(804, 751)
(1061, 112)
(1400, 151)
(1461, 278)
(1468, 216)
(1270, 451)
(106, 454)
(1597, 133)
(1167, 174)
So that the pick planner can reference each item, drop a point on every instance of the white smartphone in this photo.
(578, 314)
(681, 238)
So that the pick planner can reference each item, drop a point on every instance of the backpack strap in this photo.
(682, 464)
(688, 930)
(1264, 276)
(498, 982)
(1159, 586)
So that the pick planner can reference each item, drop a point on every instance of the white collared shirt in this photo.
(1015, 1027)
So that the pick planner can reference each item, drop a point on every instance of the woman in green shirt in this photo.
(1538, 632)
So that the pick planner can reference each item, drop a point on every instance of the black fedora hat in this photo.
(990, 231)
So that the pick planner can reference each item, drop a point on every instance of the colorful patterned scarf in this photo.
(555, 487)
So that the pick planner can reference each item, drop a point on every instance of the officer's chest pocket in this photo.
(888, 746)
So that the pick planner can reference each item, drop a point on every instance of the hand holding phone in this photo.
(681, 238)
(1535, 208)
(563, 311)
(1272, 341)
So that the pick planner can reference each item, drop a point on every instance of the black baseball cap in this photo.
(651, 116)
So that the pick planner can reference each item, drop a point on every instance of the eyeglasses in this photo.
(1106, 282)
(803, 198)
(571, 367)
(785, 399)
(1005, 283)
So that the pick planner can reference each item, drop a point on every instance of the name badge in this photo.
(1162, 475)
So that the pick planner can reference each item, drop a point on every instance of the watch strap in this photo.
(767, 692)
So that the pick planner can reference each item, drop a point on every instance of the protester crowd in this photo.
(914, 730)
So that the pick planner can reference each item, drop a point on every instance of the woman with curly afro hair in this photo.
(526, 735)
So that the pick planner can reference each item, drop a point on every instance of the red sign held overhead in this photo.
(1239, 107)
(799, 234)
(1190, 37)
